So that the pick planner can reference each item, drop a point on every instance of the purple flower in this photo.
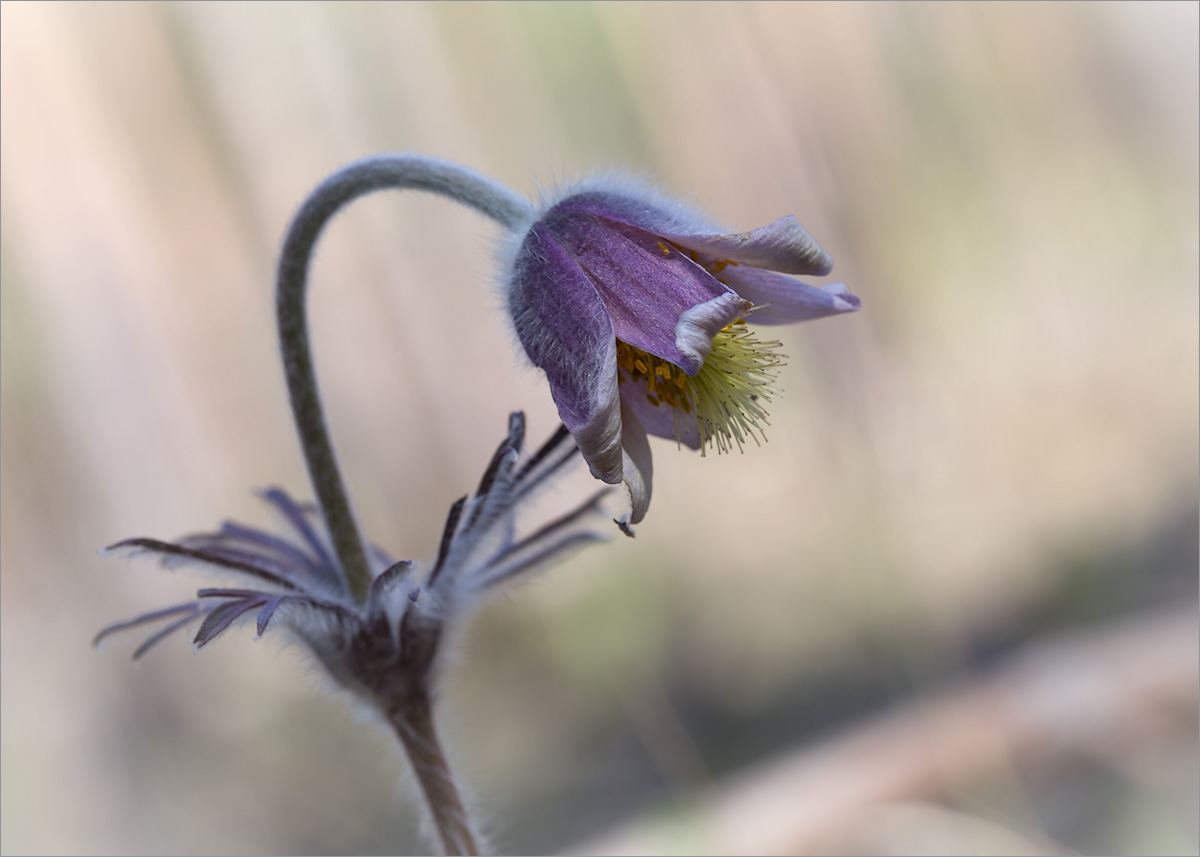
(636, 310)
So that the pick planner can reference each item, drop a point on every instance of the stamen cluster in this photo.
(724, 401)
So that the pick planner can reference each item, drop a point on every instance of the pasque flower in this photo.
(636, 309)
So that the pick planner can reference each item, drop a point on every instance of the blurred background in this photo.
(950, 607)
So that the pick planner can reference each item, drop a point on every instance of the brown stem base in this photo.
(414, 726)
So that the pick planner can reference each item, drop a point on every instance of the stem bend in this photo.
(360, 178)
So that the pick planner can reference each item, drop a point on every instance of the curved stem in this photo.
(414, 726)
(358, 179)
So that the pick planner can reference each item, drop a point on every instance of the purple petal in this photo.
(220, 546)
(524, 471)
(639, 207)
(263, 597)
(295, 515)
(493, 497)
(637, 468)
(546, 551)
(599, 440)
(531, 477)
(264, 615)
(784, 300)
(696, 328)
(222, 617)
(448, 533)
(233, 593)
(161, 634)
(566, 330)
(172, 551)
(544, 544)
(780, 246)
(504, 457)
(288, 552)
(191, 608)
(646, 284)
(658, 419)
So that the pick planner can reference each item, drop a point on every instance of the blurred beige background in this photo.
(994, 460)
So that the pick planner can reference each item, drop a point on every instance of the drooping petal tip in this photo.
(779, 299)
(567, 332)
(697, 326)
(783, 245)
(637, 468)
(843, 300)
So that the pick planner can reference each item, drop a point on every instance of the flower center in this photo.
(726, 396)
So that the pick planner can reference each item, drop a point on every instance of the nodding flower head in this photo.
(636, 309)
(384, 650)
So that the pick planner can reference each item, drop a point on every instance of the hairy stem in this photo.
(414, 726)
(358, 179)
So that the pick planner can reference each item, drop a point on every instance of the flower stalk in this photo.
(415, 728)
(414, 721)
(381, 172)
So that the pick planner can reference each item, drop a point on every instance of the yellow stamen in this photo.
(662, 245)
(727, 394)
